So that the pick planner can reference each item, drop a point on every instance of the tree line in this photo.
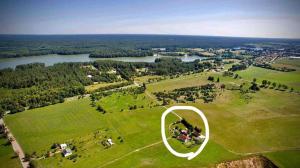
(205, 92)
(110, 53)
(36, 85)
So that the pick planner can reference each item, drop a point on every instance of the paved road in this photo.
(16, 147)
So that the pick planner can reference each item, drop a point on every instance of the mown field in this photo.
(138, 128)
(265, 122)
(291, 79)
(8, 158)
(287, 62)
(285, 158)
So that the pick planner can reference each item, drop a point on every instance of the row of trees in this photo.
(205, 92)
(237, 67)
(268, 66)
(172, 54)
(274, 85)
(35, 85)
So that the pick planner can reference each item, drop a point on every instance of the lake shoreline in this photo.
(52, 59)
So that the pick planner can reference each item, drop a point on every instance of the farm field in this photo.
(93, 87)
(7, 156)
(287, 62)
(268, 113)
(182, 81)
(130, 125)
(267, 121)
(45, 126)
(291, 79)
(286, 159)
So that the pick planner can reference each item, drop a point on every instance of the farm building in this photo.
(63, 146)
(110, 141)
(184, 138)
(67, 152)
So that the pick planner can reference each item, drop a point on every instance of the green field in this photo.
(287, 62)
(267, 122)
(139, 128)
(8, 159)
(291, 79)
(56, 123)
(286, 159)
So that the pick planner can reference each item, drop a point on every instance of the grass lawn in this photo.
(39, 128)
(93, 87)
(159, 156)
(144, 79)
(182, 81)
(269, 121)
(285, 159)
(122, 102)
(287, 62)
(8, 159)
(138, 128)
(291, 79)
(259, 123)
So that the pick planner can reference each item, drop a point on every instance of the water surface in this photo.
(54, 58)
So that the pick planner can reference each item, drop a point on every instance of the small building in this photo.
(89, 76)
(63, 146)
(185, 132)
(158, 49)
(110, 141)
(200, 137)
(67, 152)
(183, 138)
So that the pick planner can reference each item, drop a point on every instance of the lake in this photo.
(54, 58)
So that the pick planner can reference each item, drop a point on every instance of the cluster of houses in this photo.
(188, 134)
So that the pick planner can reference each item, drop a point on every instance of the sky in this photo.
(238, 18)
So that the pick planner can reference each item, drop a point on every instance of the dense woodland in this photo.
(110, 53)
(28, 45)
(35, 85)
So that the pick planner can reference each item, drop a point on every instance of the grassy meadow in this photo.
(291, 79)
(266, 121)
(8, 156)
(285, 159)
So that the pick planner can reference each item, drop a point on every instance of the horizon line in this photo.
(159, 34)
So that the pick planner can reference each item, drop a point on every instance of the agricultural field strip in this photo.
(16, 147)
(135, 84)
(151, 96)
(130, 153)
(142, 148)
(261, 152)
(237, 153)
(147, 146)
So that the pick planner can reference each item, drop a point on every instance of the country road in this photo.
(16, 146)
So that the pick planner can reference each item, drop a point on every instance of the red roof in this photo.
(183, 137)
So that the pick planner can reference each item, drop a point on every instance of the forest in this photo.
(109, 53)
(97, 45)
(36, 85)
